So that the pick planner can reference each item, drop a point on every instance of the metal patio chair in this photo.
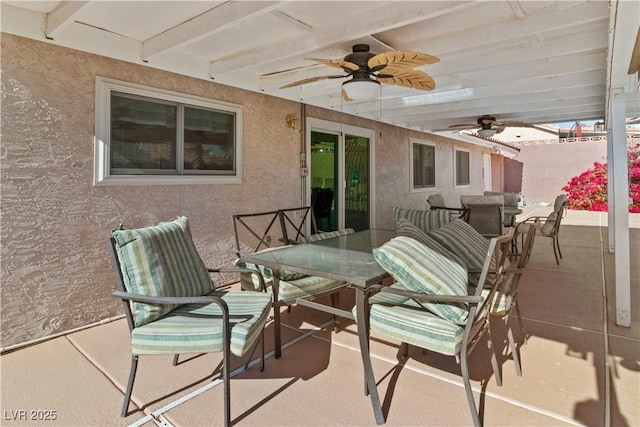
(322, 202)
(430, 307)
(254, 232)
(511, 209)
(549, 226)
(505, 300)
(172, 306)
(485, 214)
(436, 201)
(295, 221)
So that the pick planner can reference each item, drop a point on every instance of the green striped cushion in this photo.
(408, 321)
(308, 286)
(407, 229)
(424, 220)
(161, 260)
(197, 328)
(325, 235)
(468, 244)
(421, 269)
(290, 290)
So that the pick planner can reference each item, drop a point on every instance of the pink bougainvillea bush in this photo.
(588, 191)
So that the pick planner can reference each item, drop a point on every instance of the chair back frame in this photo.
(296, 220)
(117, 269)
(486, 219)
(263, 237)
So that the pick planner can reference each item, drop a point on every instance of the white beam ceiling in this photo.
(536, 61)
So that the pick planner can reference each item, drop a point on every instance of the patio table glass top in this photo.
(348, 258)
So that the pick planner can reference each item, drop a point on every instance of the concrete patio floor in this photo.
(579, 368)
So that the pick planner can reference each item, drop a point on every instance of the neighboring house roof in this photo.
(519, 134)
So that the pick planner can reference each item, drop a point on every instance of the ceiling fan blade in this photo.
(400, 58)
(407, 77)
(345, 96)
(515, 123)
(336, 63)
(288, 70)
(310, 80)
(463, 126)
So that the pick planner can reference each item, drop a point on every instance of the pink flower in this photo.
(588, 191)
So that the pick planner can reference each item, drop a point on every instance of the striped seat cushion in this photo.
(161, 260)
(421, 269)
(325, 235)
(406, 320)
(469, 245)
(197, 328)
(290, 290)
(424, 220)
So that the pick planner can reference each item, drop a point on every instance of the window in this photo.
(423, 164)
(151, 136)
(462, 167)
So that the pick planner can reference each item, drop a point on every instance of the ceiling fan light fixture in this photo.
(486, 133)
(362, 89)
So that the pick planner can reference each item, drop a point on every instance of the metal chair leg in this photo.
(175, 359)
(277, 340)
(127, 394)
(226, 372)
(494, 360)
(335, 302)
(556, 249)
(523, 333)
(467, 388)
(514, 350)
(558, 245)
(262, 350)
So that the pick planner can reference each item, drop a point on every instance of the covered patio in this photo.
(579, 368)
(65, 348)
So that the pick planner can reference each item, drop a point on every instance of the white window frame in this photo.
(102, 160)
(455, 167)
(412, 189)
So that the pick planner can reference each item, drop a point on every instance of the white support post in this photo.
(620, 208)
(611, 220)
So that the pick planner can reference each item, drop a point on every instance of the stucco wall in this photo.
(549, 167)
(55, 270)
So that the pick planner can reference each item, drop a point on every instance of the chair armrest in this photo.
(170, 300)
(463, 212)
(263, 285)
(533, 219)
(422, 297)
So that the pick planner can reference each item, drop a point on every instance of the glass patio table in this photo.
(346, 258)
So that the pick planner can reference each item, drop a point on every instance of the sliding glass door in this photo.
(340, 184)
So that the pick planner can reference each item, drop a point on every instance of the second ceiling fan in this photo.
(487, 125)
(367, 70)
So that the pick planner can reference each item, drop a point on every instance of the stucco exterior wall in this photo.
(54, 264)
(549, 167)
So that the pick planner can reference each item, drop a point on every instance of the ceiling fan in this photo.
(487, 125)
(367, 70)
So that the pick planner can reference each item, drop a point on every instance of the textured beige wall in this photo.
(55, 270)
(549, 167)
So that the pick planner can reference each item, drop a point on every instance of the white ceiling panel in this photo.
(534, 61)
